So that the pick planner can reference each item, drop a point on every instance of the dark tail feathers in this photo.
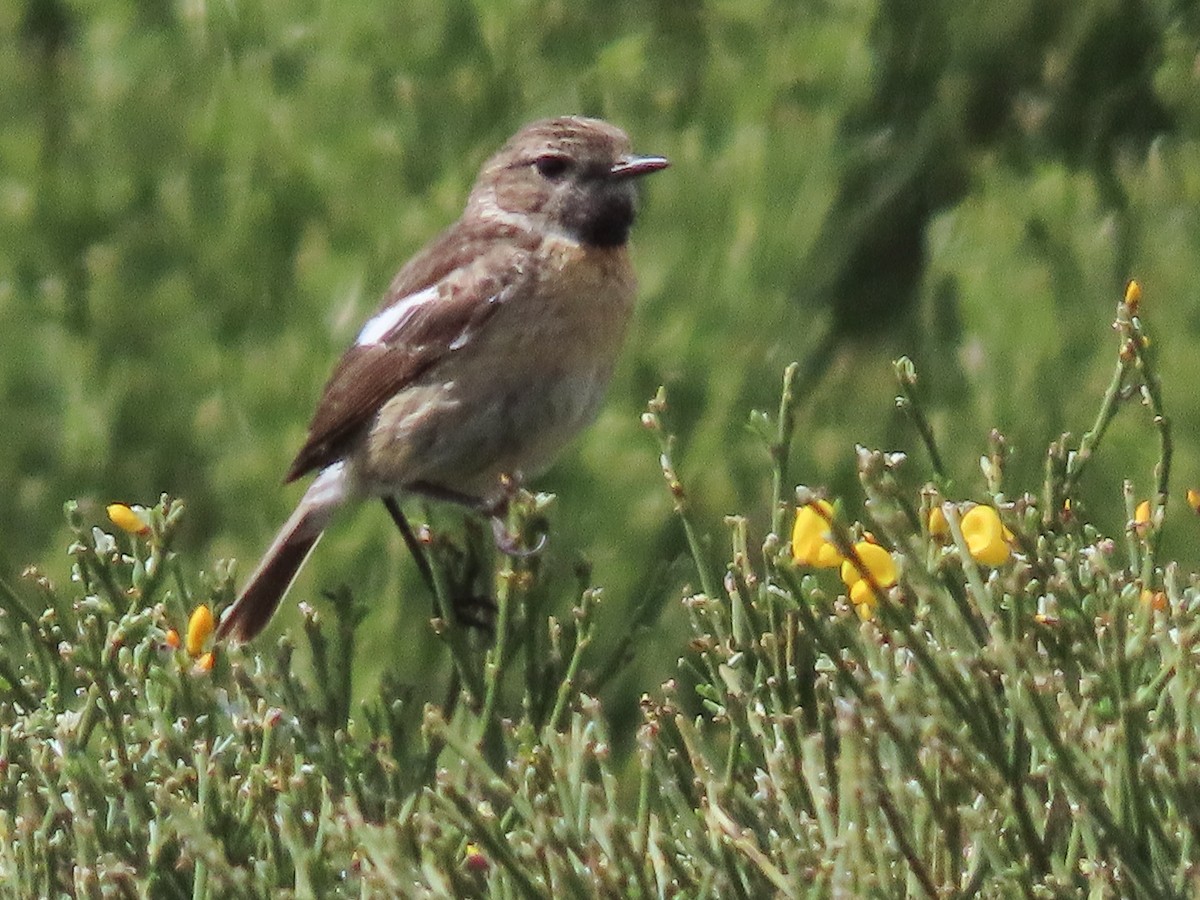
(280, 565)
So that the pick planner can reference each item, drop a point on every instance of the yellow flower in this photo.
(874, 559)
(1193, 499)
(987, 538)
(828, 556)
(1156, 600)
(127, 519)
(938, 526)
(172, 639)
(1141, 515)
(200, 628)
(206, 662)
(810, 537)
(864, 600)
(882, 568)
(1133, 296)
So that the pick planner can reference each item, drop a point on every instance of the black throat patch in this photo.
(604, 214)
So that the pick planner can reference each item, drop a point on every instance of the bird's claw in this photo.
(507, 543)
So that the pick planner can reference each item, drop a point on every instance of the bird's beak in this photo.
(632, 166)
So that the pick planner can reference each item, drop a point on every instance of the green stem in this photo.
(1077, 462)
(666, 446)
(455, 636)
(906, 378)
(566, 688)
(1152, 391)
(781, 449)
(497, 656)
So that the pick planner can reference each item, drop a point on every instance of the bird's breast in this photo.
(509, 398)
(582, 294)
(567, 318)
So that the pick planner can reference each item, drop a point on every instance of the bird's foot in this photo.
(499, 511)
(510, 544)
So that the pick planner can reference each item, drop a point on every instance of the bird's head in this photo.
(570, 174)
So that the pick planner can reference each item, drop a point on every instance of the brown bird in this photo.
(492, 349)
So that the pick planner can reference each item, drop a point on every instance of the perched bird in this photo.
(493, 347)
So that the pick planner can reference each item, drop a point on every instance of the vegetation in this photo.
(999, 703)
(200, 202)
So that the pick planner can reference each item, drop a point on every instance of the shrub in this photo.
(994, 699)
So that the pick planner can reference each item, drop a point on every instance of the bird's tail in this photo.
(280, 565)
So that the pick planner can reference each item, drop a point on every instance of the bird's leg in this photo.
(465, 609)
(494, 510)
(411, 541)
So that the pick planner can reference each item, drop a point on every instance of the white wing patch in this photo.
(392, 318)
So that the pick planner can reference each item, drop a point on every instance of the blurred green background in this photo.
(201, 201)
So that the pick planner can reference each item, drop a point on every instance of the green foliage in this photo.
(1025, 728)
(199, 202)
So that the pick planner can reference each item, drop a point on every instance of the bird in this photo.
(492, 348)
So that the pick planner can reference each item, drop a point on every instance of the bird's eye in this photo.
(552, 165)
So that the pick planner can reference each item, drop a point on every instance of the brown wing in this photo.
(475, 269)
